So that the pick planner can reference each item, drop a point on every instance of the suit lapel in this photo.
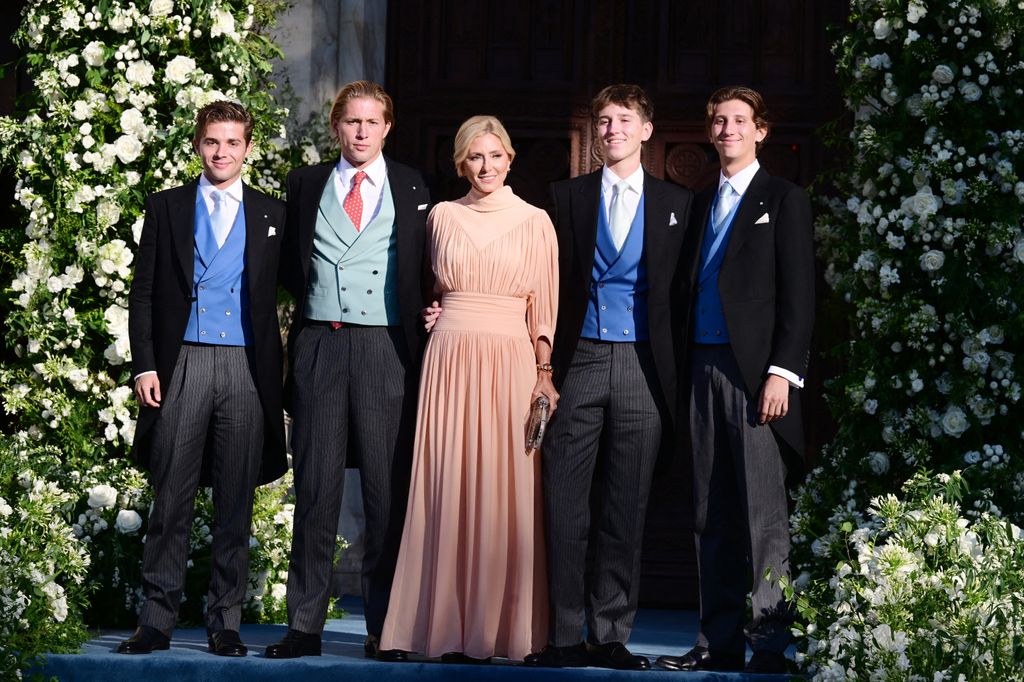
(308, 198)
(750, 209)
(182, 214)
(584, 221)
(656, 226)
(404, 196)
(257, 227)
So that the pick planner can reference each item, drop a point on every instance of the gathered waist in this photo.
(487, 313)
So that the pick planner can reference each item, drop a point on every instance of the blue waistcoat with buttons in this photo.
(353, 274)
(221, 302)
(709, 323)
(617, 308)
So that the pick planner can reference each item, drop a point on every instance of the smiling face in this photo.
(486, 165)
(735, 135)
(622, 132)
(361, 130)
(222, 149)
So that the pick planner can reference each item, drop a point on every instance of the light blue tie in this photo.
(727, 198)
(220, 221)
(619, 218)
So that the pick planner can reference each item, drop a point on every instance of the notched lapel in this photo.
(182, 215)
(585, 203)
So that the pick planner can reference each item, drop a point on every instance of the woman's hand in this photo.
(430, 315)
(546, 388)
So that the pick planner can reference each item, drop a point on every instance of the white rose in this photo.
(108, 213)
(140, 73)
(932, 260)
(278, 591)
(161, 8)
(128, 521)
(223, 24)
(133, 123)
(1018, 250)
(127, 148)
(922, 204)
(878, 462)
(180, 69)
(93, 54)
(954, 422)
(890, 95)
(882, 29)
(942, 74)
(970, 91)
(915, 12)
(120, 22)
(102, 495)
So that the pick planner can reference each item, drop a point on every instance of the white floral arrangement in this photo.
(919, 593)
(924, 254)
(116, 89)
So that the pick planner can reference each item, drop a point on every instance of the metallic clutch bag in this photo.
(537, 423)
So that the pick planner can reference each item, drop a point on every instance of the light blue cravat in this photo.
(727, 198)
(619, 219)
(220, 221)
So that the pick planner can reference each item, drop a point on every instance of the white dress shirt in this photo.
(233, 192)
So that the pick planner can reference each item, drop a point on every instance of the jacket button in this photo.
(344, 310)
(626, 332)
(604, 307)
(202, 310)
(369, 291)
(202, 333)
(604, 330)
(222, 335)
(363, 312)
(629, 308)
(718, 332)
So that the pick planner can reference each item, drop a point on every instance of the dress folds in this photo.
(471, 574)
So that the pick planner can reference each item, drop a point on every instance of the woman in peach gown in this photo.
(471, 579)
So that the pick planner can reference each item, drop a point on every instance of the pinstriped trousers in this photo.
(741, 515)
(609, 420)
(211, 399)
(352, 396)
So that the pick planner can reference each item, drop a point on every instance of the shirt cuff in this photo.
(794, 380)
(142, 374)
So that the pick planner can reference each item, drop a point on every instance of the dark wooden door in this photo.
(536, 64)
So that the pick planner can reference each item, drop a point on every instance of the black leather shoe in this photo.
(700, 658)
(226, 643)
(458, 657)
(767, 662)
(145, 640)
(293, 645)
(615, 655)
(551, 656)
(371, 649)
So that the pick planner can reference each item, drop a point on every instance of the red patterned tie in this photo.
(354, 201)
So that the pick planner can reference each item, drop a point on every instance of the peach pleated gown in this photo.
(471, 573)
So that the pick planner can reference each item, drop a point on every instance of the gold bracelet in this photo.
(544, 367)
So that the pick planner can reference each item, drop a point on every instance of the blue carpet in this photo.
(657, 632)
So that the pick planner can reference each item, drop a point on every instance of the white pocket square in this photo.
(421, 207)
(762, 220)
(272, 231)
(672, 219)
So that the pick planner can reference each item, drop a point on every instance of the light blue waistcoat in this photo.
(220, 298)
(353, 274)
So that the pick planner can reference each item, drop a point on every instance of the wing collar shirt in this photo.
(740, 182)
(371, 189)
(632, 198)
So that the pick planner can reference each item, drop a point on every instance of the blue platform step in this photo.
(657, 632)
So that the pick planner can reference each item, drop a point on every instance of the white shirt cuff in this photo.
(794, 380)
(142, 374)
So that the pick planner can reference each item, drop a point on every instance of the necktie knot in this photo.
(621, 187)
(218, 198)
(358, 179)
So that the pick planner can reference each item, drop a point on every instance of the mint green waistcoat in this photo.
(353, 274)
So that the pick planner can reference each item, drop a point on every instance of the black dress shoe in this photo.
(551, 656)
(767, 662)
(458, 657)
(700, 658)
(615, 655)
(371, 649)
(293, 645)
(145, 640)
(226, 643)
